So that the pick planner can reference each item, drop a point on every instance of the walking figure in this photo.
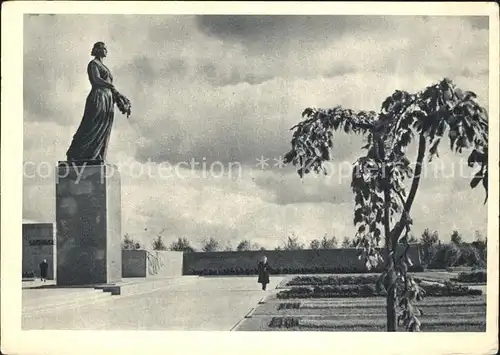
(263, 269)
(44, 266)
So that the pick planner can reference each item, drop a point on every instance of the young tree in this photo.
(182, 244)
(456, 238)
(480, 243)
(315, 244)
(293, 243)
(257, 246)
(346, 243)
(158, 244)
(246, 245)
(329, 243)
(382, 203)
(228, 246)
(429, 245)
(129, 243)
(211, 245)
(412, 239)
(428, 238)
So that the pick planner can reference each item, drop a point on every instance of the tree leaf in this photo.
(434, 149)
(358, 199)
(368, 265)
(477, 179)
(358, 216)
(485, 180)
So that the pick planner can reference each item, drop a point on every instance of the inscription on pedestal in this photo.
(88, 224)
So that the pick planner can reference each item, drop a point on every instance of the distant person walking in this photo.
(263, 269)
(44, 266)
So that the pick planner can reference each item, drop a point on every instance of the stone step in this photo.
(129, 287)
(47, 298)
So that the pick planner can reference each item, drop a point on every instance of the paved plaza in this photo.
(187, 303)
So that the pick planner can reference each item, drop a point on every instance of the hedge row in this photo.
(28, 275)
(288, 271)
(471, 277)
(370, 291)
(333, 280)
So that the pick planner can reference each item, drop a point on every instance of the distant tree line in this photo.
(435, 254)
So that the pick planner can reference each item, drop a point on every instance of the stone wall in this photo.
(151, 263)
(38, 244)
(346, 259)
(170, 263)
(134, 263)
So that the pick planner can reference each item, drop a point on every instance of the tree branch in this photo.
(396, 232)
(418, 171)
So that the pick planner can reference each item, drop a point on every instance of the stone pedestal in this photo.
(88, 224)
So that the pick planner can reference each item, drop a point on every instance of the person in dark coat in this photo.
(44, 266)
(264, 271)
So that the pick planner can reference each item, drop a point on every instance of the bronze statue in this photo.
(90, 141)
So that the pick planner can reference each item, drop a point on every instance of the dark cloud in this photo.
(140, 68)
(278, 30)
(216, 75)
(286, 188)
(230, 148)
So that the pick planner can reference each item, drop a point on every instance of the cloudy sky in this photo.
(223, 91)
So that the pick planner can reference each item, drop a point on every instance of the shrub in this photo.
(469, 256)
(471, 277)
(446, 255)
(28, 275)
(287, 270)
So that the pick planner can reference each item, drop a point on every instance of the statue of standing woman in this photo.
(90, 141)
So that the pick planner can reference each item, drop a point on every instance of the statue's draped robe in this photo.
(90, 141)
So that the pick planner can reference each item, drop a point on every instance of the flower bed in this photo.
(288, 271)
(333, 280)
(284, 322)
(447, 289)
(471, 277)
